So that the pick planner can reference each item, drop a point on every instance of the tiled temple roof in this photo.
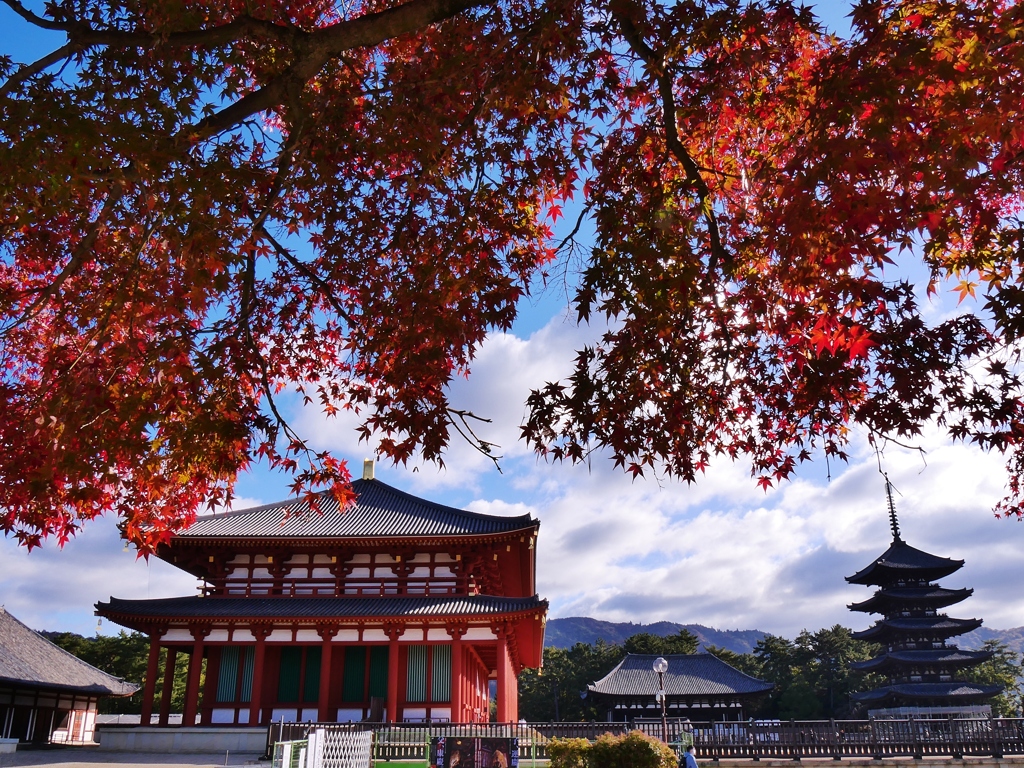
(932, 596)
(902, 561)
(263, 608)
(949, 692)
(27, 658)
(688, 675)
(379, 511)
(938, 626)
(951, 657)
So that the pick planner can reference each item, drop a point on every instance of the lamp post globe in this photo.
(661, 667)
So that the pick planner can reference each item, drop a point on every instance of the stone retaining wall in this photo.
(185, 740)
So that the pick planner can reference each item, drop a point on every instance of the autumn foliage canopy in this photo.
(206, 203)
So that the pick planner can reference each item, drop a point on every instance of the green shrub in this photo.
(634, 750)
(605, 753)
(638, 750)
(569, 753)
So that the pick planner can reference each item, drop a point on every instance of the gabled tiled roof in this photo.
(952, 657)
(261, 608)
(956, 691)
(698, 674)
(939, 626)
(904, 561)
(27, 658)
(934, 597)
(380, 511)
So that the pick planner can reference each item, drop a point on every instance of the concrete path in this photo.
(90, 757)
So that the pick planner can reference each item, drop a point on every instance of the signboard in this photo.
(473, 752)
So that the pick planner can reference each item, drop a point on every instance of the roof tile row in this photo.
(379, 511)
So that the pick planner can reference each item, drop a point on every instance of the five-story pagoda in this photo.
(919, 662)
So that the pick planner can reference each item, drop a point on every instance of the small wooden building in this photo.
(698, 686)
(46, 694)
(394, 608)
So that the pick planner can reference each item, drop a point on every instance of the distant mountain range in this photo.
(564, 633)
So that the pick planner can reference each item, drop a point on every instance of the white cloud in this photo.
(504, 371)
(721, 552)
(55, 589)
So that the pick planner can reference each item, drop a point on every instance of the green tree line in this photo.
(125, 655)
(811, 674)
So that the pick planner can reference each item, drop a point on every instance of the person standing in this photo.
(688, 761)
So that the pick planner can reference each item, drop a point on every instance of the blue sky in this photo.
(721, 553)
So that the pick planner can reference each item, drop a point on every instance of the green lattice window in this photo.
(353, 682)
(379, 671)
(416, 674)
(441, 673)
(290, 674)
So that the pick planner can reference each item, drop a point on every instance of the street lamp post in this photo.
(661, 667)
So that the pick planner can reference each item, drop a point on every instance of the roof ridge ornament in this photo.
(894, 523)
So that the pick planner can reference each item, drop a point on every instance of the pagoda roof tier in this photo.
(885, 600)
(932, 626)
(950, 657)
(904, 562)
(348, 609)
(688, 675)
(378, 512)
(954, 691)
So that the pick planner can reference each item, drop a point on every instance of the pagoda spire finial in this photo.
(893, 522)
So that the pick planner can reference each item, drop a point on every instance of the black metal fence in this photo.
(778, 740)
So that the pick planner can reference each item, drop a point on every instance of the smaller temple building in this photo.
(918, 660)
(46, 694)
(699, 686)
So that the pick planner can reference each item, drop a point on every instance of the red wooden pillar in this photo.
(393, 634)
(165, 696)
(513, 692)
(256, 701)
(458, 683)
(504, 673)
(209, 692)
(327, 633)
(195, 669)
(152, 668)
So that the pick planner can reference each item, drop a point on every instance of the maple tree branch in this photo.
(78, 257)
(312, 49)
(469, 435)
(248, 297)
(657, 66)
(889, 439)
(29, 70)
(85, 35)
(32, 18)
(320, 46)
(285, 164)
(309, 272)
(575, 229)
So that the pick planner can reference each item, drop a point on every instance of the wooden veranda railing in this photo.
(785, 740)
(350, 586)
